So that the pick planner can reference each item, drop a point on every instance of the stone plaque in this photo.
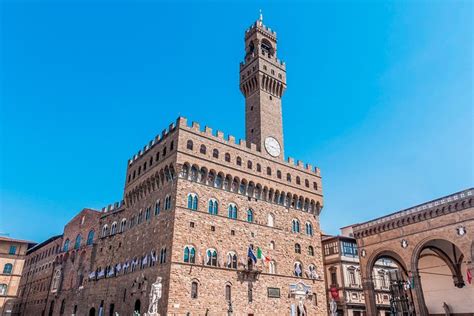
(273, 292)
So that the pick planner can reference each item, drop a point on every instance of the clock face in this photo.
(272, 146)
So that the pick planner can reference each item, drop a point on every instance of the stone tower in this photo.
(262, 82)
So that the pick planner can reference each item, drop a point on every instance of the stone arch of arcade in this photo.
(433, 247)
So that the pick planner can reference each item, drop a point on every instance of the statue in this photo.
(155, 295)
(333, 307)
(301, 307)
(447, 312)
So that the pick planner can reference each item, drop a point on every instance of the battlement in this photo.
(242, 144)
(112, 207)
(258, 26)
(158, 139)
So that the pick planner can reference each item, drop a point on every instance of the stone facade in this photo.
(194, 203)
(12, 261)
(36, 278)
(438, 233)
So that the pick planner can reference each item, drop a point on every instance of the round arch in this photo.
(434, 261)
(405, 297)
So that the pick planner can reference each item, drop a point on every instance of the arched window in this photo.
(315, 185)
(66, 245)
(259, 168)
(298, 269)
(295, 226)
(232, 211)
(189, 254)
(288, 177)
(298, 180)
(272, 267)
(157, 207)
(211, 257)
(139, 217)
(231, 260)
(213, 207)
(311, 251)
(62, 307)
(215, 153)
(297, 248)
(163, 255)
(194, 289)
(3, 289)
(306, 183)
(113, 228)
(272, 245)
(90, 237)
(7, 268)
(227, 157)
(271, 220)
(249, 164)
(309, 229)
(269, 171)
(250, 216)
(147, 213)
(228, 293)
(239, 161)
(311, 272)
(167, 202)
(278, 174)
(77, 243)
(189, 145)
(192, 201)
(123, 224)
(203, 149)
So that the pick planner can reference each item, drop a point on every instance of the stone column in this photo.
(417, 293)
(369, 295)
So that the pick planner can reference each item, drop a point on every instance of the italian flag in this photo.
(261, 255)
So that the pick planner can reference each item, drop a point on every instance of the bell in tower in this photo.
(263, 82)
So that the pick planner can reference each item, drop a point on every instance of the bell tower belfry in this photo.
(263, 82)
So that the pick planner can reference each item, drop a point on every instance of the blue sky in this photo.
(380, 97)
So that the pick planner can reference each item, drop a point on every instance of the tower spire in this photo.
(261, 16)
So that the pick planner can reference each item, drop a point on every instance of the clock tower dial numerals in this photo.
(272, 146)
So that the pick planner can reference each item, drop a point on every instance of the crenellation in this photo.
(171, 127)
(191, 187)
(157, 139)
(196, 127)
(249, 147)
